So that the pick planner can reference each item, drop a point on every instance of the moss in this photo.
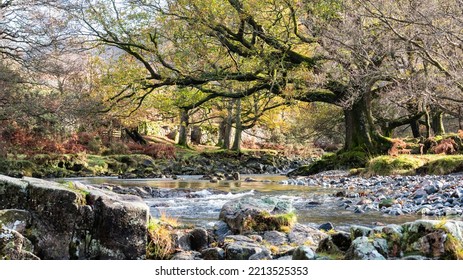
(388, 165)
(443, 165)
(331, 256)
(266, 222)
(453, 248)
(342, 160)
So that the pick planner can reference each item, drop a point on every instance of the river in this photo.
(198, 202)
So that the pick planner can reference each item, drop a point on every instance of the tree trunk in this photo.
(358, 132)
(228, 126)
(437, 124)
(427, 123)
(183, 131)
(238, 127)
(415, 126)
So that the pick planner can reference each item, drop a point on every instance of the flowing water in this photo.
(199, 202)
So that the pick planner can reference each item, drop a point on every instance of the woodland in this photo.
(357, 79)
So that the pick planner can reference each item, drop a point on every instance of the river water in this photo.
(198, 202)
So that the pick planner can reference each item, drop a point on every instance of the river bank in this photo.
(49, 220)
(132, 166)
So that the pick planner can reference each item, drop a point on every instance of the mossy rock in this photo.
(389, 165)
(443, 165)
(329, 161)
(256, 215)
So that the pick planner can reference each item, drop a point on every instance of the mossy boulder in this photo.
(342, 160)
(74, 221)
(250, 214)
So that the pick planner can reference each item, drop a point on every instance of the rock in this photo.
(221, 230)
(73, 221)
(213, 254)
(275, 238)
(337, 243)
(431, 245)
(264, 255)
(118, 218)
(236, 176)
(14, 246)
(342, 240)
(239, 247)
(341, 194)
(15, 219)
(181, 240)
(305, 235)
(249, 214)
(381, 246)
(303, 253)
(326, 227)
(362, 249)
(359, 231)
(187, 256)
(199, 239)
(13, 193)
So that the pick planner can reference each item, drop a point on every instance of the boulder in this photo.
(15, 219)
(73, 221)
(249, 214)
(213, 254)
(326, 226)
(303, 253)
(305, 235)
(335, 244)
(187, 256)
(199, 239)
(14, 246)
(239, 247)
(363, 249)
(275, 238)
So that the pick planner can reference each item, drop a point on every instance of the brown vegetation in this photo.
(445, 146)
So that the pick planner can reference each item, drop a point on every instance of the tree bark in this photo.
(183, 131)
(358, 131)
(437, 123)
(415, 126)
(228, 126)
(238, 127)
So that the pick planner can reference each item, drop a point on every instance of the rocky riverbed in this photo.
(47, 220)
(392, 195)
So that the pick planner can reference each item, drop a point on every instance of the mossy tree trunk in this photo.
(238, 127)
(361, 131)
(228, 126)
(437, 123)
(183, 131)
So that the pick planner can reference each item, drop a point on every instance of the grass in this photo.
(414, 164)
(160, 244)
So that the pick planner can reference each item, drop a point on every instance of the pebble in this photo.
(430, 195)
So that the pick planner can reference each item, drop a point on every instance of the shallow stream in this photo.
(198, 202)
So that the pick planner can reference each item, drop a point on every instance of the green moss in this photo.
(330, 161)
(265, 221)
(331, 256)
(442, 165)
(388, 165)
